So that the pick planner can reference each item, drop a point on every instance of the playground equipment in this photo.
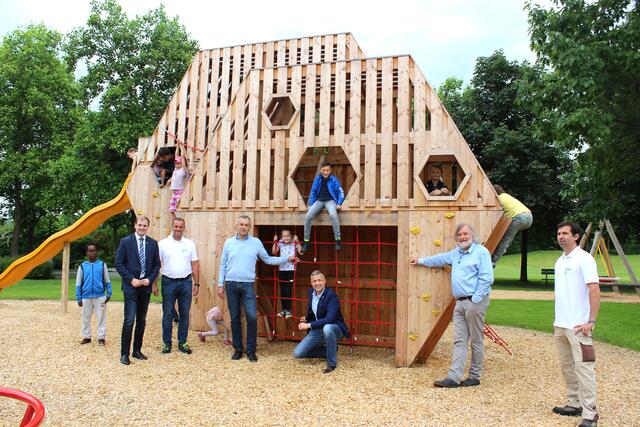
(256, 121)
(34, 414)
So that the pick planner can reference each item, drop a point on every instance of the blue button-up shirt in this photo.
(471, 270)
(315, 299)
(238, 260)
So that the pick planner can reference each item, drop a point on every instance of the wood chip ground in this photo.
(87, 386)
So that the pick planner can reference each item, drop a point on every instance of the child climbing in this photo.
(285, 246)
(326, 193)
(178, 179)
(163, 166)
(215, 319)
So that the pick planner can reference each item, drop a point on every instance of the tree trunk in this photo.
(17, 218)
(523, 256)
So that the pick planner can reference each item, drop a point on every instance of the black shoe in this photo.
(589, 423)
(101, 343)
(184, 348)
(85, 341)
(470, 382)
(305, 247)
(568, 411)
(252, 357)
(338, 245)
(124, 359)
(176, 320)
(138, 355)
(446, 383)
(237, 355)
(329, 369)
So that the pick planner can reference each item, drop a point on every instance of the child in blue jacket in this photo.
(326, 193)
(93, 290)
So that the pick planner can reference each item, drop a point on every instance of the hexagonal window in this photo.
(309, 166)
(442, 177)
(280, 112)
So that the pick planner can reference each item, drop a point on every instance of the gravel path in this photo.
(87, 386)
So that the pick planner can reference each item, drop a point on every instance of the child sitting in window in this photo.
(435, 186)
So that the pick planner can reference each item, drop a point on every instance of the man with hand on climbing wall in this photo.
(471, 279)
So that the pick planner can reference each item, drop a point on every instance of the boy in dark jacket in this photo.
(93, 290)
(326, 193)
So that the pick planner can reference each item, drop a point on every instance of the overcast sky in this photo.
(444, 37)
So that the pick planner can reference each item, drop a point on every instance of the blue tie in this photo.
(141, 251)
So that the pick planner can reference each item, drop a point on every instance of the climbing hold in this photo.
(447, 268)
(139, 213)
(315, 151)
(426, 297)
(435, 312)
(449, 215)
(437, 242)
(326, 150)
(413, 336)
(155, 195)
(415, 230)
(158, 216)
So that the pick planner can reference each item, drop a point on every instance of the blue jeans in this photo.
(172, 290)
(314, 210)
(320, 343)
(242, 293)
(136, 304)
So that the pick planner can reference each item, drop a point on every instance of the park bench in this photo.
(547, 272)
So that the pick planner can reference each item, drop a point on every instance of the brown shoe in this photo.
(589, 423)
(567, 410)
(85, 341)
(201, 337)
(101, 343)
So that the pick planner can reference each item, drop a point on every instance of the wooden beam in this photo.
(621, 254)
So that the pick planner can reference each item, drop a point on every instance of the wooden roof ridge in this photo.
(346, 33)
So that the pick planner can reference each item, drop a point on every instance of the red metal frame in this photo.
(34, 414)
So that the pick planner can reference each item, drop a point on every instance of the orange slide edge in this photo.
(55, 243)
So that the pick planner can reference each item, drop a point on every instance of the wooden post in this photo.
(64, 281)
(585, 237)
(623, 257)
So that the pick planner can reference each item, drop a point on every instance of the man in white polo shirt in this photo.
(180, 281)
(577, 302)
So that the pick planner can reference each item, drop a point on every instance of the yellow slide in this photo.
(55, 243)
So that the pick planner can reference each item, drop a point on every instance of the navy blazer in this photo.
(328, 311)
(128, 261)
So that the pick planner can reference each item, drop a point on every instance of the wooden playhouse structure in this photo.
(258, 119)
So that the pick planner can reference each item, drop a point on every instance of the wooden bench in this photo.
(547, 272)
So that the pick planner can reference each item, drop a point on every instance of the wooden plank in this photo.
(316, 48)
(64, 280)
(278, 169)
(310, 106)
(402, 290)
(370, 165)
(265, 144)
(200, 128)
(621, 254)
(404, 117)
(238, 146)
(295, 151)
(213, 90)
(341, 41)
(353, 147)
(225, 158)
(183, 91)
(225, 81)
(325, 104)
(422, 141)
(328, 48)
(304, 50)
(386, 137)
(252, 137)
(171, 120)
(236, 71)
(268, 57)
(211, 160)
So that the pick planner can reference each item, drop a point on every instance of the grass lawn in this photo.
(618, 323)
(50, 290)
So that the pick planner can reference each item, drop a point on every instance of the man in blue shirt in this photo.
(237, 275)
(471, 279)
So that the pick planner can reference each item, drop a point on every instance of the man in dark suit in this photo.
(138, 263)
(324, 322)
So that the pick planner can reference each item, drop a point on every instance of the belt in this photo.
(177, 278)
(464, 298)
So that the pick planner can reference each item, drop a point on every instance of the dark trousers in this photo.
(285, 277)
(136, 304)
(172, 290)
(241, 294)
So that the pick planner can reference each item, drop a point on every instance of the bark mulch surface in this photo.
(87, 386)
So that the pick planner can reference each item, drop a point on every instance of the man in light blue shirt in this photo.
(471, 279)
(237, 275)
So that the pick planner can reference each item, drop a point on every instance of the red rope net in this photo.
(363, 273)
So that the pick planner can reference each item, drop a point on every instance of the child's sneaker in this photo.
(338, 245)
(201, 337)
(282, 313)
(226, 342)
(305, 247)
(287, 314)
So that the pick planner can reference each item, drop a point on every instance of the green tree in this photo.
(588, 101)
(132, 68)
(38, 106)
(498, 128)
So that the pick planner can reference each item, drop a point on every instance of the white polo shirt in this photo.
(176, 256)
(573, 273)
